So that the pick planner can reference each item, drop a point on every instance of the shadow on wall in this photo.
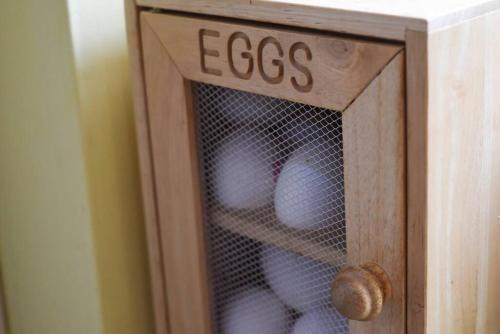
(3, 317)
(111, 164)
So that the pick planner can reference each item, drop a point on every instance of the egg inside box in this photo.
(274, 211)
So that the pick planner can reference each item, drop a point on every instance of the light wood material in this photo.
(274, 233)
(171, 123)
(360, 292)
(374, 171)
(462, 213)
(490, 302)
(454, 183)
(158, 289)
(417, 99)
(377, 18)
(314, 69)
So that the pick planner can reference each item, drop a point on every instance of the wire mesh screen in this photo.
(274, 211)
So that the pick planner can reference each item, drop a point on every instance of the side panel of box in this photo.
(455, 132)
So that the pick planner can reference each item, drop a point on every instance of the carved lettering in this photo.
(241, 47)
(307, 87)
(276, 62)
(208, 52)
(245, 55)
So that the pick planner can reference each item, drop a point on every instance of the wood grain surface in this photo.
(171, 122)
(417, 158)
(315, 69)
(374, 167)
(462, 212)
(158, 289)
(274, 233)
(360, 292)
(376, 18)
(453, 178)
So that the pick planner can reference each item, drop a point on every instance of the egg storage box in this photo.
(303, 176)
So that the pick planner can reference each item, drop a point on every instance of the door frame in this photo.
(374, 157)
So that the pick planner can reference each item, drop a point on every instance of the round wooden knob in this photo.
(359, 292)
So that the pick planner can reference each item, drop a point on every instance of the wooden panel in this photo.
(374, 162)
(416, 79)
(146, 169)
(454, 190)
(462, 211)
(276, 234)
(178, 191)
(306, 16)
(492, 251)
(379, 18)
(314, 69)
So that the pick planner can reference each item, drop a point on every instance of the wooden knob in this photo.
(359, 292)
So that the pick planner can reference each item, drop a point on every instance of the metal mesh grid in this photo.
(274, 211)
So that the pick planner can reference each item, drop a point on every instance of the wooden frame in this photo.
(158, 288)
(374, 167)
(374, 145)
(342, 68)
(177, 189)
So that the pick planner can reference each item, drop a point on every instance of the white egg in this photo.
(244, 171)
(310, 188)
(242, 107)
(299, 282)
(321, 321)
(255, 311)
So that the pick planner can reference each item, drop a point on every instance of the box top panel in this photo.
(376, 18)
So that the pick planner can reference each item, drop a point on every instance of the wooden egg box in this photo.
(420, 129)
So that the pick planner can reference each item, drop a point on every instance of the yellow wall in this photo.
(45, 226)
(104, 87)
(71, 239)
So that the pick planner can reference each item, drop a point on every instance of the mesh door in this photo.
(274, 211)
